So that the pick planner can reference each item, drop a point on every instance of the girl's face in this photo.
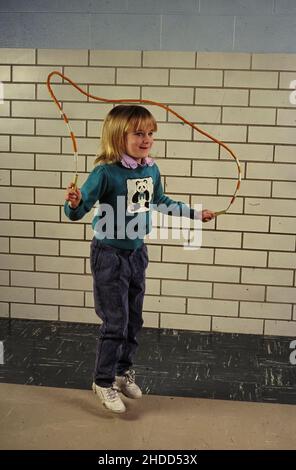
(139, 143)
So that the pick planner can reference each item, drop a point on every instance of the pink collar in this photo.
(129, 162)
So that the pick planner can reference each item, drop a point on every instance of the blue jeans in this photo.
(119, 288)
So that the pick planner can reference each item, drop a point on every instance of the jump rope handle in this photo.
(74, 183)
(220, 212)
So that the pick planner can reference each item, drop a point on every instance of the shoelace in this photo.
(130, 376)
(112, 393)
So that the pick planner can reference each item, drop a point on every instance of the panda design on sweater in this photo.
(140, 192)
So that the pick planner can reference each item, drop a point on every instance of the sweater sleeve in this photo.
(91, 191)
(165, 204)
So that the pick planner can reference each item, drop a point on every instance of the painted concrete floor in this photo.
(34, 417)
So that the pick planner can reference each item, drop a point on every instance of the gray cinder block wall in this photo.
(227, 66)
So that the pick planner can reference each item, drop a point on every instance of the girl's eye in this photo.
(142, 133)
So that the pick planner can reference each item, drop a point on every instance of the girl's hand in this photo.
(207, 215)
(73, 196)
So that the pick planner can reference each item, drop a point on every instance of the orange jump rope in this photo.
(155, 103)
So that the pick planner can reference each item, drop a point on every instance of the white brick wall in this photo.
(242, 280)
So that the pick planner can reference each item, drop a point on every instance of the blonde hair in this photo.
(119, 121)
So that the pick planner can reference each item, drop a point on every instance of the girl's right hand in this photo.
(73, 196)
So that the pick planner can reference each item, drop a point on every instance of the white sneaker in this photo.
(110, 398)
(126, 384)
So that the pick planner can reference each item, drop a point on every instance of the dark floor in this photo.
(169, 362)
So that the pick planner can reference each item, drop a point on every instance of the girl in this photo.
(127, 184)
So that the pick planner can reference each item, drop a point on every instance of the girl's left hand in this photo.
(207, 215)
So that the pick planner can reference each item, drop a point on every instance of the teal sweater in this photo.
(123, 200)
